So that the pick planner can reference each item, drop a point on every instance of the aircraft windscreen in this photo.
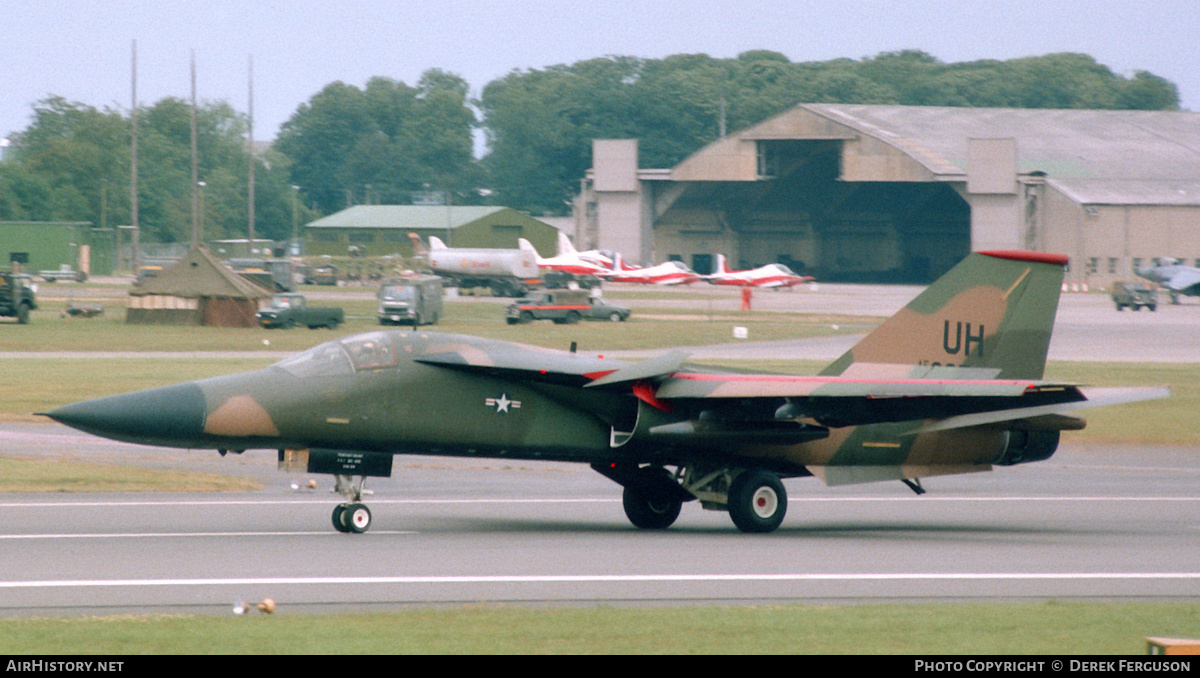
(347, 356)
(325, 360)
(371, 351)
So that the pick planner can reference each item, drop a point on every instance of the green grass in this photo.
(1051, 628)
(48, 331)
(26, 475)
(42, 384)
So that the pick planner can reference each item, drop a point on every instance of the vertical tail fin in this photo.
(564, 245)
(722, 265)
(994, 310)
(419, 248)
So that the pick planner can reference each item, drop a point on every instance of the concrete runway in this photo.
(1109, 523)
(1103, 523)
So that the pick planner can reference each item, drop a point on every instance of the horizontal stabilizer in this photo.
(695, 385)
(1094, 397)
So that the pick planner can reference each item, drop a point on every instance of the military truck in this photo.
(410, 301)
(17, 296)
(288, 310)
(563, 307)
(1134, 295)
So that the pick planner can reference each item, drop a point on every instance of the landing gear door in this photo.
(337, 462)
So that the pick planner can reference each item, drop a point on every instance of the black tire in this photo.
(615, 317)
(526, 317)
(339, 518)
(757, 501)
(572, 317)
(654, 502)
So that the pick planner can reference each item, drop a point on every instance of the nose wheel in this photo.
(353, 516)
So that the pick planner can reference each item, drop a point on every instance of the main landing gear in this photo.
(352, 516)
(755, 498)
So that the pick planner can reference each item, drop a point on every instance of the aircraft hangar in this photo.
(901, 193)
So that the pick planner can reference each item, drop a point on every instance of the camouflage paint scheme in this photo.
(950, 384)
(1173, 275)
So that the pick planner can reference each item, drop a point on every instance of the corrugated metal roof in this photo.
(405, 216)
(1119, 192)
(1075, 144)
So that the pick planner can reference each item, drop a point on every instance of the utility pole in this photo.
(195, 165)
(251, 154)
(135, 259)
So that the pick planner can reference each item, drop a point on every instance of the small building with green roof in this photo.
(382, 230)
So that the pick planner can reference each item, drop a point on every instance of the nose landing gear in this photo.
(352, 516)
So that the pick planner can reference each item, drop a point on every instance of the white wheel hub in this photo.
(764, 502)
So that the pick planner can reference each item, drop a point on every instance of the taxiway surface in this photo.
(1100, 523)
(1107, 523)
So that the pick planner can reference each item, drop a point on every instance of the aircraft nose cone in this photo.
(171, 415)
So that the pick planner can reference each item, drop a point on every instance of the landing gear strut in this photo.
(352, 516)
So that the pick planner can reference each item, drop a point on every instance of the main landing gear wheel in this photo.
(757, 501)
(354, 518)
(654, 502)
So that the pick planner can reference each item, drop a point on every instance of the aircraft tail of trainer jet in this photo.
(994, 311)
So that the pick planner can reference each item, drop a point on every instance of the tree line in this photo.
(392, 143)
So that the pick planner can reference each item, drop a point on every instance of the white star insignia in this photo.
(502, 404)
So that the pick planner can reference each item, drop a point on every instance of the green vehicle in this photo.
(17, 296)
(288, 310)
(1134, 295)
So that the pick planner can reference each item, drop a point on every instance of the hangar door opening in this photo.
(905, 232)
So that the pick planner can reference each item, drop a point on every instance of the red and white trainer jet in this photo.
(568, 260)
(770, 276)
(666, 273)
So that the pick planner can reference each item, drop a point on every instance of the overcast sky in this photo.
(81, 49)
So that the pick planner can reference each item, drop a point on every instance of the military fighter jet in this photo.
(950, 384)
(1173, 275)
